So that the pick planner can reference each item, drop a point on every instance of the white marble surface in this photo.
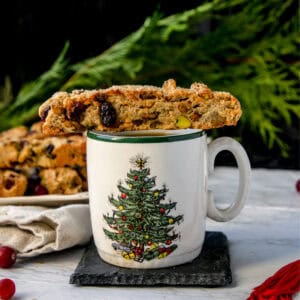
(263, 238)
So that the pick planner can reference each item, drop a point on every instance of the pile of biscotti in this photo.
(34, 164)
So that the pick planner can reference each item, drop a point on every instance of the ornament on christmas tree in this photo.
(161, 249)
(138, 215)
(162, 210)
(147, 215)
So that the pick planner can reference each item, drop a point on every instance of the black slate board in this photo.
(211, 268)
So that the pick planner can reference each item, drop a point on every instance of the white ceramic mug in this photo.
(148, 194)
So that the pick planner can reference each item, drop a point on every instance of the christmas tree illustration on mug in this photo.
(142, 227)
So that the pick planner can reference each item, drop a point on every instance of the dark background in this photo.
(34, 32)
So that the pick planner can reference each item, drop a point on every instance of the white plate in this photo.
(46, 200)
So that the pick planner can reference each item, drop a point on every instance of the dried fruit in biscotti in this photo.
(12, 183)
(65, 180)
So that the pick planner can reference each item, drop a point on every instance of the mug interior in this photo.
(146, 136)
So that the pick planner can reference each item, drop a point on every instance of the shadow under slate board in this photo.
(211, 268)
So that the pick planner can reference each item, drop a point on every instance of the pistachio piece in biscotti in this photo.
(139, 107)
(12, 184)
(183, 122)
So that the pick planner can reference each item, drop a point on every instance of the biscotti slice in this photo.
(46, 152)
(13, 133)
(134, 107)
(61, 181)
(12, 183)
(53, 180)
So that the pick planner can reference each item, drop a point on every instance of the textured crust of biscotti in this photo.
(139, 108)
(12, 183)
(13, 133)
(46, 152)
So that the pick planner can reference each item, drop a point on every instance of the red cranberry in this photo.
(40, 190)
(8, 257)
(7, 289)
(298, 185)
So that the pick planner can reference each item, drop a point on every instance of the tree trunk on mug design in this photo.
(142, 226)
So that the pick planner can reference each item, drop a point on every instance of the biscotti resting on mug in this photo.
(138, 107)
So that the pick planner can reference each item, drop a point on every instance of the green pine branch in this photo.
(251, 51)
(25, 107)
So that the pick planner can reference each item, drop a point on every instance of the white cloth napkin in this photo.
(34, 230)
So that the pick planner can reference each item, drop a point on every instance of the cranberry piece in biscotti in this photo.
(40, 190)
(12, 184)
(108, 114)
(49, 149)
(77, 111)
(45, 114)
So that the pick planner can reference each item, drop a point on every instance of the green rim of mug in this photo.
(167, 136)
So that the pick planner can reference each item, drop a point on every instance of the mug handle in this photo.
(216, 146)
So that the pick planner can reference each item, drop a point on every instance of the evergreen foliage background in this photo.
(250, 48)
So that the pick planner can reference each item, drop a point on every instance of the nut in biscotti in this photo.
(134, 107)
